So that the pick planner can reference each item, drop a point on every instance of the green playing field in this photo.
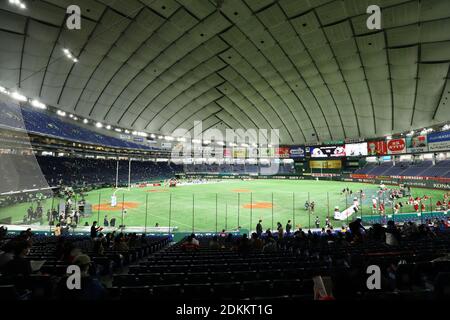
(223, 205)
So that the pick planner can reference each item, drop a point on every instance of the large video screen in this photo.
(356, 149)
(326, 151)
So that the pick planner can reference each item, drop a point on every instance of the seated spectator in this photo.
(19, 265)
(190, 244)
(90, 287)
(392, 234)
(256, 242)
(244, 245)
(214, 243)
(270, 245)
(57, 230)
(7, 254)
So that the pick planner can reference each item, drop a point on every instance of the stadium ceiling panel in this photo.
(311, 68)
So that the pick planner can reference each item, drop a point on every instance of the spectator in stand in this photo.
(288, 227)
(90, 288)
(57, 230)
(190, 244)
(214, 243)
(19, 265)
(105, 221)
(393, 235)
(256, 243)
(94, 230)
(357, 229)
(112, 223)
(7, 254)
(244, 245)
(259, 228)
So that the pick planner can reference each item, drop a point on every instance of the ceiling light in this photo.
(206, 142)
(61, 113)
(220, 143)
(244, 145)
(75, 118)
(37, 104)
(160, 137)
(181, 139)
(17, 96)
(108, 127)
(168, 138)
(196, 141)
(85, 121)
(118, 130)
(127, 131)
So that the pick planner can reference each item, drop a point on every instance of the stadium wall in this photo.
(419, 182)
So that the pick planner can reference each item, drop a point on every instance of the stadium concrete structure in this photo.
(225, 149)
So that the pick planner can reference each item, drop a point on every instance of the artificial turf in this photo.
(225, 205)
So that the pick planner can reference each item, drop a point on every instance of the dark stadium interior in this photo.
(224, 150)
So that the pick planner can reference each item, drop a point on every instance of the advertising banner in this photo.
(266, 152)
(239, 152)
(326, 151)
(417, 143)
(356, 149)
(325, 164)
(439, 141)
(376, 148)
(396, 146)
(282, 152)
(296, 152)
(227, 153)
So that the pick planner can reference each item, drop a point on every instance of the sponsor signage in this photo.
(396, 146)
(326, 151)
(239, 152)
(325, 164)
(296, 152)
(166, 145)
(282, 152)
(439, 141)
(266, 152)
(376, 148)
(417, 143)
(356, 149)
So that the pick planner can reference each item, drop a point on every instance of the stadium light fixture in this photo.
(37, 104)
(3, 90)
(127, 131)
(86, 121)
(160, 137)
(181, 139)
(108, 127)
(206, 142)
(18, 3)
(61, 113)
(153, 136)
(69, 55)
(388, 137)
(134, 133)
(75, 118)
(220, 143)
(269, 146)
(17, 96)
(118, 130)
(196, 141)
(169, 138)
(244, 145)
